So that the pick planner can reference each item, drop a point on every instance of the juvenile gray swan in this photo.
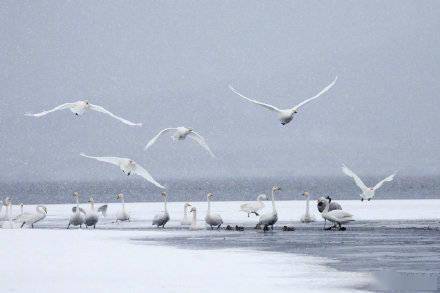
(162, 218)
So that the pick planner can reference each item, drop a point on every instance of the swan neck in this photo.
(209, 206)
(165, 203)
(92, 206)
(194, 218)
(307, 205)
(273, 202)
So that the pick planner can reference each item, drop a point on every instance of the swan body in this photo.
(185, 221)
(307, 217)
(128, 166)
(269, 219)
(338, 217)
(367, 192)
(78, 216)
(285, 115)
(80, 107)
(29, 219)
(162, 218)
(254, 207)
(213, 220)
(91, 217)
(180, 133)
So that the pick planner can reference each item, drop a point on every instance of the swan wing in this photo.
(60, 107)
(388, 179)
(317, 95)
(111, 160)
(139, 170)
(339, 214)
(102, 110)
(356, 178)
(23, 217)
(103, 210)
(267, 106)
(201, 141)
(153, 140)
(80, 209)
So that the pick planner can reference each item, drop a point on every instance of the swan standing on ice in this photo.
(77, 218)
(162, 218)
(307, 218)
(122, 215)
(270, 219)
(30, 219)
(8, 224)
(193, 226)
(128, 166)
(180, 133)
(254, 207)
(91, 218)
(4, 203)
(367, 192)
(185, 221)
(338, 217)
(213, 220)
(285, 115)
(80, 107)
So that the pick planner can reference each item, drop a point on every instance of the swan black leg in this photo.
(32, 226)
(218, 227)
(68, 226)
(22, 224)
(257, 214)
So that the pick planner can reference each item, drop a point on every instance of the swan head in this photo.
(7, 201)
(329, 199)
(91, 200)
(119, 196)
(21, 205)
(163, 193)
(193, 210)
(76, 194)
(86, 102)
(306, 194)
(190, 129)
(276, 188)
(322, 202)
(187, 205)
(210, 195)
(44, 209)
(131, 162)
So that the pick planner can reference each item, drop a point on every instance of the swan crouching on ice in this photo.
(254, 207)
(338, 217)
(29, 219)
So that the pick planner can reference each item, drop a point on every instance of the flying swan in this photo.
(367, 192)
(285, 115)
(80, 107)
(254, 207)
(127, 166)
(180, 133)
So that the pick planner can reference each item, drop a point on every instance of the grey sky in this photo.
(168, 63)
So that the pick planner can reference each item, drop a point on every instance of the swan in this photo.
(162, 218)
(180, 133)
(77, 218)
(193, 226)
(4, 203)
(185, 221)
(127, 166)
(122, 215)
(91, 218)
(80, 107)
(367, 192)
(307, 218)
(30, 219)
(254, 207)
(213, 220)
(285, 115)
(338, 217)
(270, 219)
(8, 224)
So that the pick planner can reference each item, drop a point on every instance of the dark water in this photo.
(225, 189)
(403, 255)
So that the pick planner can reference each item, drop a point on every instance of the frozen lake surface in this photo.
(384, 249)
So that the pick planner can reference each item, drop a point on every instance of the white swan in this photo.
(77, 218)
(180, 133)
(4, 203)
(8, 224)
(213, 220)
(80, 107)
(270, 219)
(91, 218)
(307, 217)
(162, 218)
(30, 219)
(122, 215)
(338, 217)
(254, 207)
(185, 221)
(194, 226)
(367, 192)
(285, 115)
(128, 166)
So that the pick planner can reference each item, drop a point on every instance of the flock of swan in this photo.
(329, 209)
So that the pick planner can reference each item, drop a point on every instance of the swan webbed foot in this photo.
(342, 228)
